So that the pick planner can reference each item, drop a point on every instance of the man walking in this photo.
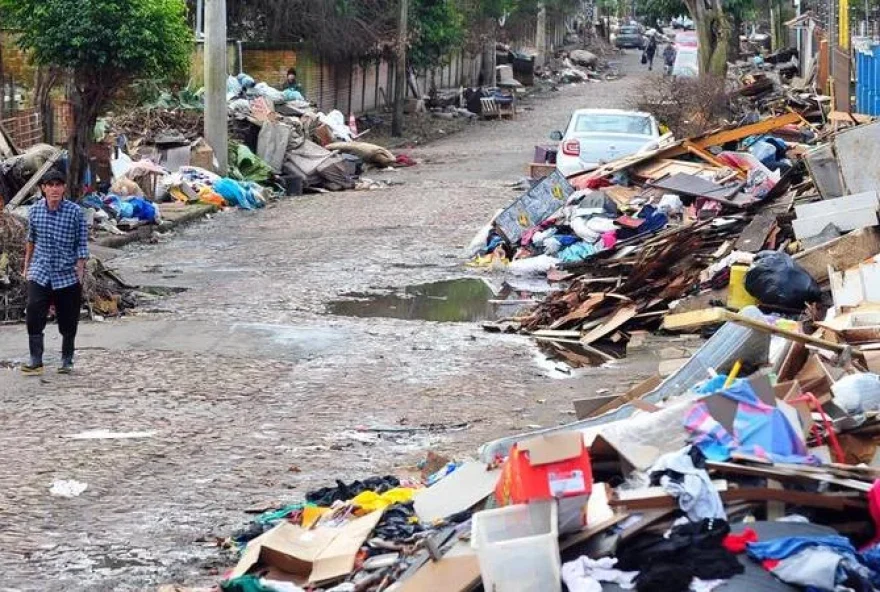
(651, 51)
(669, 58)
(54, 264)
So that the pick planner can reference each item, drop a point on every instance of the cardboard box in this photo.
(555, 466)
(546, 467)
(202, 155)
(291, 553)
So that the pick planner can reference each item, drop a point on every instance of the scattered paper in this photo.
(68, 488)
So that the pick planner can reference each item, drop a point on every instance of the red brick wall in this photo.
(15, 62)
(268, 65)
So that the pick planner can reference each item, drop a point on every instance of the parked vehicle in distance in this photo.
(682, 23)
(630, 36)
(596, 136)
(686, 39)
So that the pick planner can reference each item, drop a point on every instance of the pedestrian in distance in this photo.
(55, 259)
(651, 51)
(668, 58)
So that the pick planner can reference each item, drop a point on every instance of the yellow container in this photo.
(737, 296)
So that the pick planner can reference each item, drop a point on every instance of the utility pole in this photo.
(216, 72)
(541, 36)
(400, 75)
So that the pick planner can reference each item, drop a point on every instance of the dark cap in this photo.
(53, 175)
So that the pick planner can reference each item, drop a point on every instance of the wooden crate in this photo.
(539, 170)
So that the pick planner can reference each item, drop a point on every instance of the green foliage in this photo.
(437, 27)
(113, 40)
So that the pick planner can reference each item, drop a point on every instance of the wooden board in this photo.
(582, 311)
(732, 135)
(617, 320)
(669, 166)
(840, 253)
(755, 234)
(636, 392)
(689, 320)
(25, 191)
(449, 574)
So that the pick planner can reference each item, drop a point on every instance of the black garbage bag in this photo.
(776, 279)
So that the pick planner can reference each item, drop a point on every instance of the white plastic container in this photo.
(518, 548)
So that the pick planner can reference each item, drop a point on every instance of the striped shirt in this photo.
(60, 238)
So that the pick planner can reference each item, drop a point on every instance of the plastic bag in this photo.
(857, 393)
(273, 94)
(539, 265)
(776, 279)
(644, 58)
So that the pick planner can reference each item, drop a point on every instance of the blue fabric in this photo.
(60, 238)
(291, 94)
(654, 220)
(871, 559)
(566, 240)
(143, 209)
(786, 547)
(578, 252)
(233, 192)
(758, 429)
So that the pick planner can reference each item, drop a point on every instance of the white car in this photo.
(687, 63)
(598, 136)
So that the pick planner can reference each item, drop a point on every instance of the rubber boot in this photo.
(35, 366)
(67, 348)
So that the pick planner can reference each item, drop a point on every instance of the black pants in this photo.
(67, 301)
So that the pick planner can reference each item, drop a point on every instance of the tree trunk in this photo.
(713, 30)
(45, 79)
(733, 49)
(87, 102)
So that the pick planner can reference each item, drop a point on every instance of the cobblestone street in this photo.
(252, 391)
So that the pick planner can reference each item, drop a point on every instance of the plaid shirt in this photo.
(60, 238)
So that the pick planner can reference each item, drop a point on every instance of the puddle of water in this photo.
(461, 300)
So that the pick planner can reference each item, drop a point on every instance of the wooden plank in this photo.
(736, 134)
(32, 182)
(840, 253)
(617, 320)
(449, 574)
(844, 117)
(588, 348)
(755, 234)
(582, 311)
(709, 157)
(584, 408)
(694, 319)
(591, 530)
(636, 392)
(715, 315)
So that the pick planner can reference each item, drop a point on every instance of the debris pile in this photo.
(104, 293)
(761, 446)
(685, 227)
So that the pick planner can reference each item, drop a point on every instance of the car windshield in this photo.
(628, 30)
(612, 123)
